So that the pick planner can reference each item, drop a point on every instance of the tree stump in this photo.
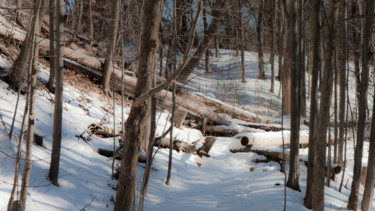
(207, 145)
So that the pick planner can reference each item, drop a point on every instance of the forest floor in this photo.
(225, 181)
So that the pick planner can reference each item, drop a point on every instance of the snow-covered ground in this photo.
(226, 181)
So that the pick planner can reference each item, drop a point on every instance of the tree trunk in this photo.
(323, 117)
(293, 179)
(15, 75)
(108, 63)
(52, 59)
(370, 176)
(315, 29)
(53, 173)
(259, 28)
(366, 55)
(91, 26)
(241, 42)
(285, 75)
(341, 67)
(32, 97)
(151, 17)
(273, 40)
(205, 24)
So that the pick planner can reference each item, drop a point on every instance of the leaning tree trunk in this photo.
(203, 46)
(151, 17)
(314, 101)
(366, 52)
(53, 173)
(323, 117)
(108, 63)
(293, 179)
(15, 74)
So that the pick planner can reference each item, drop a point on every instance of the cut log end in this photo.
(245, 141)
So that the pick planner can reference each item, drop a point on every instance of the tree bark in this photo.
(52, 59)
(323, 117)
(370, 176)
(151, 17)
(205, 26)
(370, 181)
(241, 36)
(285, 75)
(366, 55)
(273, 18)
(53, 173)
(342, 55)
(259, 28)
(32, 97)
(108, 63)
(293, 179)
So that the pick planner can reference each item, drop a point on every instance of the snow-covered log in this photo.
(268, 139)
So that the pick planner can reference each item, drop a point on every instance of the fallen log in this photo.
(218, 106)
(177, 145)
(268, 139)
(280, 158)
(95, 64)
(226, 131)
(103, 131)
(109, 154)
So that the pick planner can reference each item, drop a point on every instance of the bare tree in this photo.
(241, 40)
(366, 52)
(53, 173)
(323, 117)
(259, 27)
(151, 17)
(314, 100)
(370, 175)
(108, 63)
(32, 97)
(342, 55)
(52, 59)
(293, 179)
(273, 16)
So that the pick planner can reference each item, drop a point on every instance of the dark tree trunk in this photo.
(241, 41)
(53, 174)
(293, 179)
(366, 55)
(323, 117)
(342, 55)
(205, 24)
(52, 59)
(259, 28)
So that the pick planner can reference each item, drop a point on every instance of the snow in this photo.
(225, 181)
